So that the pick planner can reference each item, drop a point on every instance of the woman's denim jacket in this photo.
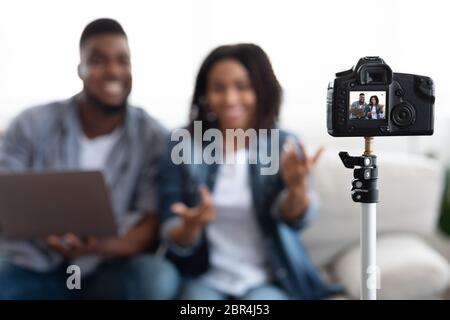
(290, 264)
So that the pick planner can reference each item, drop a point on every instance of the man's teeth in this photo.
(113, 87)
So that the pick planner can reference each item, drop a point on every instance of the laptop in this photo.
(37, 204)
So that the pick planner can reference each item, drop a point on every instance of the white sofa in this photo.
(410, 197)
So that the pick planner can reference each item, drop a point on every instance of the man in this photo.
(357, 108)
(96, 129)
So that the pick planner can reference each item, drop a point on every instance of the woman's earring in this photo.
(210, 115)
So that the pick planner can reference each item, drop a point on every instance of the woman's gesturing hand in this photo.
(194, 219)
(197, 216)
(296, 165)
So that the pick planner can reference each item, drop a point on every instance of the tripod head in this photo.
(365, 174)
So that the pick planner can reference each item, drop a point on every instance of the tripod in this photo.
(364, 190)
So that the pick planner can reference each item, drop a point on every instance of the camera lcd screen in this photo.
(367, 105)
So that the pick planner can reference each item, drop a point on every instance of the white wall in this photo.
(308, 41)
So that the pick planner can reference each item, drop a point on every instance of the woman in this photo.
(232, 231)
(374, 109)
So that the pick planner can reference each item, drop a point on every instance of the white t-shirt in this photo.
(373, 111)
(94, 152)
(237, 257)
(93, 156)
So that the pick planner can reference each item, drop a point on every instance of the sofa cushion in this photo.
(409, 269)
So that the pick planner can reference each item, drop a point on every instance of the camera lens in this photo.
(403, 115)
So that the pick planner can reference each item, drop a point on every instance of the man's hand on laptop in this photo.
(71, 246)
(136, 240)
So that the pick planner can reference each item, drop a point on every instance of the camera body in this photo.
(370, 100)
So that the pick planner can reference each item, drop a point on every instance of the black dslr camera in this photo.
(370, 100)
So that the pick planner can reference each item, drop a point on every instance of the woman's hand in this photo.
(194, 219)
(296, 166)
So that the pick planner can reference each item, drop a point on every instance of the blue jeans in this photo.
(139, 277)
(197, 290)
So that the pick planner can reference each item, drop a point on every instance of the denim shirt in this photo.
(47, 137)
(289, 262)
(369, 108)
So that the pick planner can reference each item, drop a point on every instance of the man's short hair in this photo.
(101, 26)
(362, 94)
